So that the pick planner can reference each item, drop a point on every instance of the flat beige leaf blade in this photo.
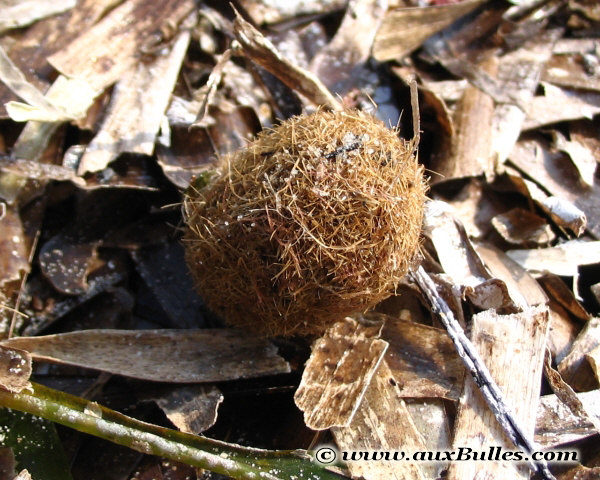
(338, 373)
(175, 356)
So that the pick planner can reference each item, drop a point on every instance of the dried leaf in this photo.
(192, 409)
(14, 255)
(557, 425)
(338, 373)
(593, 358)
(582, 157)
(260, 50)
(562, 260)
(569, 70)
(382, 423)
(422, 360)
(336, 63)
(102, 54)
(275, 12)
(186, 356)
(553, 174)
(512, 347)
(574, 368)
(405, 29)
(522, 227)
(26, 12)
(559, 105)
(15, 369)
(130, 99)
(39, 105)
(560, 292)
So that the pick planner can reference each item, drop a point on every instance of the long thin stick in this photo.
(481, 375)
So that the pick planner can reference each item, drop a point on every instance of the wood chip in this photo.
(15, 369)
(338, 372)
(523, 227)
(382, 423)
(187, 356)
(512, 347)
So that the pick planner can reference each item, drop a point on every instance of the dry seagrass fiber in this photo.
(316, 219)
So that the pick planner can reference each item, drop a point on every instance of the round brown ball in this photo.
(316, 219)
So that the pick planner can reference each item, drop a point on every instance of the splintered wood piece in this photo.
(260, 50)
(405, 29)
(15, 369)
(422, 360)
(186, 356)
(556, 424)
(488, 388)
(102, 54)
(512, 347)
(338, 372)
(381, 423)
(143, 94)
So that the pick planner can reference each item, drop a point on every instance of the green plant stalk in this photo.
(220, 457)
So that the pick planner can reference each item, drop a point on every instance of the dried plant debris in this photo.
(115, 113)
(187, 356)
(15, 369)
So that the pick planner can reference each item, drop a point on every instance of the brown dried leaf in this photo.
(422, 360)
(338, 373)
(142, 93)
(191, 408)
(557, 425)
(260, 50)
(580, 472)
(14, 254)
(574, 368)
(523, 288)
(512, 347)
(522, 227)
(581, 156)
(350, 47)
(102, 54)
(22, 13)
(569, 70)
(559, 291)
(405, 29)
(593, 358)
(186, 356)
(15, 369)
(562, 260)
(532, 156)
(382, 423)
(518, 76)
(559, 105)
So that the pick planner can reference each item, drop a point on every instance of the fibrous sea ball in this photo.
(316, 219)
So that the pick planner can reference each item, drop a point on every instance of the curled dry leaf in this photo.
(574, 368)
(15, 369)
(522, 227)
(338, 373)
(556, 424)
(186, 356)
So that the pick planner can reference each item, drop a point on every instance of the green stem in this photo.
(220, 457)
